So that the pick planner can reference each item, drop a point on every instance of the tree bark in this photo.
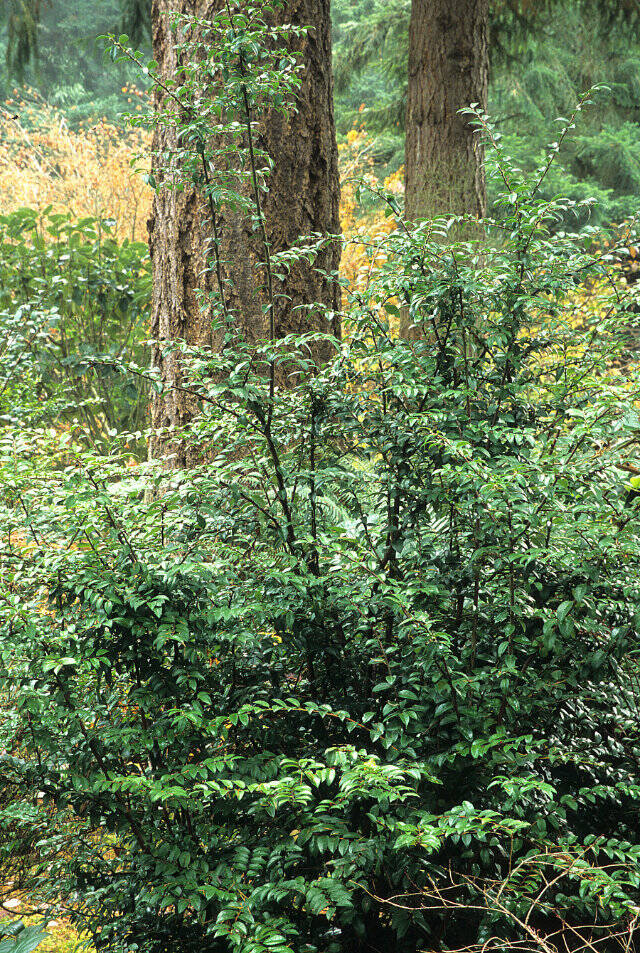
(303, 197)
(448, 70)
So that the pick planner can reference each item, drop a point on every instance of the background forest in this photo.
(319, 536)
(538, 73)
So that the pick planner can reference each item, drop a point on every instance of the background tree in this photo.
(24, 19)
(51, 47)
(542, 56)
(448, 70)
(302, 198)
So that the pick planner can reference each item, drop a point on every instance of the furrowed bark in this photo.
(303, 198)
(448, 70)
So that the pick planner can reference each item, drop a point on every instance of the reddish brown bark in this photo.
(303, 197)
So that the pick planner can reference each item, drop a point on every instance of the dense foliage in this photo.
(71, 298)
(366, 679)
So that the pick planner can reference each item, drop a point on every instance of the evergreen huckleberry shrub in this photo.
(367, 678)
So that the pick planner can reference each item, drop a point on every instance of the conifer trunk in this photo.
(303, 197)
(448, 70)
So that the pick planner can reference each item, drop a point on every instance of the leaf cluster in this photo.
(72, 301)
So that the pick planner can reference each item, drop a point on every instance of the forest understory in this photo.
(319, 476)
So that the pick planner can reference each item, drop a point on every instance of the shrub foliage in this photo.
(74, 304)
(367, 679)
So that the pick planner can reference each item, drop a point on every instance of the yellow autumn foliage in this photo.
(364, 234)
(88, 172)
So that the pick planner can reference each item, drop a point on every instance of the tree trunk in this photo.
(448, 70)
(303, 197)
